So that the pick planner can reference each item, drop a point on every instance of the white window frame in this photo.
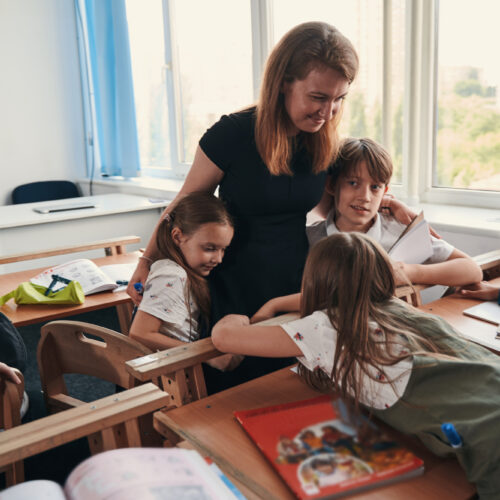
(420, 115)
(420, 101)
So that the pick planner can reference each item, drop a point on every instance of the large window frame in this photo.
(420, 100)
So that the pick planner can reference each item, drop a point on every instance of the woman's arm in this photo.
(234, 334)
(146, 329)
(204, 175)
(458, 270)
(287, 303)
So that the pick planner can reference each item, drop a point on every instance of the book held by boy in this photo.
(91, 277)
(133, 474)
(414, 244)
(322, 452)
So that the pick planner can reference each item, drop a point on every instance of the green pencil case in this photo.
(28, 293)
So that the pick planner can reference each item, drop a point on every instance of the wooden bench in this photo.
(114, 418)
(113, 246)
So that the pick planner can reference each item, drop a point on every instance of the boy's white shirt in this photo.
(385, 230)
(316, 337)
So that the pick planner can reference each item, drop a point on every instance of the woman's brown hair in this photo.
(349, 276)
(307, 46)
(189, 214)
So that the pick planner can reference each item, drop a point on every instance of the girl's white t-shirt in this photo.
(316, 337)
(164, 298)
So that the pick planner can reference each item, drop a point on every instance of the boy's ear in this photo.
(330, 187)
(386, 188)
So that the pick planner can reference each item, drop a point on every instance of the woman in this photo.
(270, 163)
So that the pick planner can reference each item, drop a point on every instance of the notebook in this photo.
(487, 311)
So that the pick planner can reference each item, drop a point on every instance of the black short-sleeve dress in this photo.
(268, 251)
(266, 257)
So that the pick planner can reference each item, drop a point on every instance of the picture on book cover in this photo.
(321, 451)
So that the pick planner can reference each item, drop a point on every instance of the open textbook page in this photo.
(132, 474)
(92, 277)
(414, 245)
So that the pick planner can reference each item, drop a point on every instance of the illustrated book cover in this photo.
(321, 452)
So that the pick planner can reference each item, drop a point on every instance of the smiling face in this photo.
(204, 249)
(311, 102)
(357, 199)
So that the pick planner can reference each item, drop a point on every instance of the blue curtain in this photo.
(106, 33)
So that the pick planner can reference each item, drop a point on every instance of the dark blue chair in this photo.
(44, 191)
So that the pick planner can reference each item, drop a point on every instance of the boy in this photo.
(358, 182)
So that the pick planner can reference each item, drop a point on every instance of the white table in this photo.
(22, 229)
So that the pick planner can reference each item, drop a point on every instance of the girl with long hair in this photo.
(191, 242)
(409, 368)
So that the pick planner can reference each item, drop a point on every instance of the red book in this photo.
(321, 452)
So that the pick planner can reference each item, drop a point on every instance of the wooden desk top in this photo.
(210, 427)
(30, 314)
(451, 309)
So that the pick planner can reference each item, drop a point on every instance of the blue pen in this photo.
(452, 435)
(138, 286)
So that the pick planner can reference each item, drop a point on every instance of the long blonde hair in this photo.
(189, 214)
(349, 276)
(307, 46)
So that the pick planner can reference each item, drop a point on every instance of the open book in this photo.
(132, 474)
(320, 451)
(92, 277)
(414, 245)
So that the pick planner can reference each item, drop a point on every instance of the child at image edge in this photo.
(412, 369)
(358, 182)
(191, 241)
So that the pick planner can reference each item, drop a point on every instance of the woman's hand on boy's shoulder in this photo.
(9, 373)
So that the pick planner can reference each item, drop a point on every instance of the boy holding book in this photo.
(358, 182)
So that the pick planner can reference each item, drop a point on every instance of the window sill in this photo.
(151, 187)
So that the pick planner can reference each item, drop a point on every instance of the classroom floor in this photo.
(57, 464)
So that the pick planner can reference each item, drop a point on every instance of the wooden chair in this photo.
(410, 294)
(11, 396)
(74, 347)
(115, 419)
(179, 368)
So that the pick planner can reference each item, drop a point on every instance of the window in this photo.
(427, 87)
(468, 115)
(191, 63)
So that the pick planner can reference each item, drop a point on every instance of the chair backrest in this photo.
(11, 396)
(44, 191)
(75, 347)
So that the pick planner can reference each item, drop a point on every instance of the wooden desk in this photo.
(30, 314)
(209, 426)
(451, 309)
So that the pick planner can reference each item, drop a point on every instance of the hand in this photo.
(267, 311)
(140, 275)
(9, 373)
(398, 209)
(233, 320)
(226, 362)
(482, 290)
(400, 273)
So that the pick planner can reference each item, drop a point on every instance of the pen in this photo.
(138, 286)
(452, 435)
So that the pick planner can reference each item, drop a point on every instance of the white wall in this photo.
(41, 117)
